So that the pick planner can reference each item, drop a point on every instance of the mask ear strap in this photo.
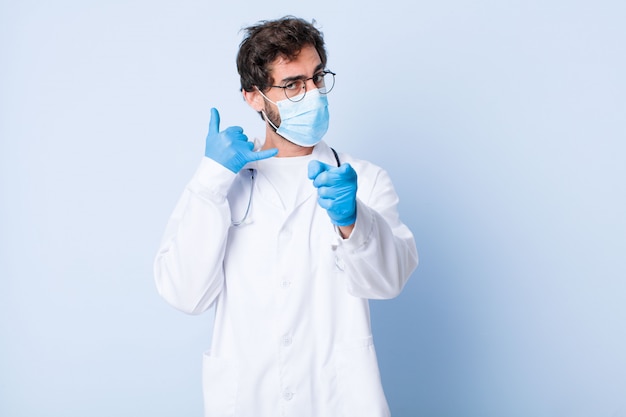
(269, 121)
(336, 157)
(263, 112)
(264, 96)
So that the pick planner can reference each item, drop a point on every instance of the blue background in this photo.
(501, 123)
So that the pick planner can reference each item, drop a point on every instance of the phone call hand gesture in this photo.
(231, 147)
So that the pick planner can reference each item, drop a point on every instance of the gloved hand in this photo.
(230, 147)
(336, 190)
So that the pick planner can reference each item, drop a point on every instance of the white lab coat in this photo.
(292, 333)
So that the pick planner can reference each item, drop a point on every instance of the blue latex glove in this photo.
(230, 147)
(336, 190)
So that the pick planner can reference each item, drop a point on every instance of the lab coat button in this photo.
(285, 284)
(287, 341)
(287, 396)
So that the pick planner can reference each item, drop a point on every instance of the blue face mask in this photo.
(303, 122)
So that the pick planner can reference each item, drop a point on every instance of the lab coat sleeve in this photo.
(380, 254)
(188, 267)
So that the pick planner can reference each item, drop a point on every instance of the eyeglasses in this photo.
(296, 90)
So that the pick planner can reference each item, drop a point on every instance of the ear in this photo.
(254, 99)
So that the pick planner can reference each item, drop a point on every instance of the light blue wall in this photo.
(501, 123)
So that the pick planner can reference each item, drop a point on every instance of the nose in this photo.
(309, 85)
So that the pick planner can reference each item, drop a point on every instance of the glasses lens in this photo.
(327, 84)
(295, 90)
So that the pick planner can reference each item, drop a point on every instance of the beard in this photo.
(273, 116)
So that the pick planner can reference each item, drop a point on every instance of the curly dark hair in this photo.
(270, 39)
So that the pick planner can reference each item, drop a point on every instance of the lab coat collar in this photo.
(321, 152)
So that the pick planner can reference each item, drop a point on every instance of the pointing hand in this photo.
(231, 147)
(336, 189)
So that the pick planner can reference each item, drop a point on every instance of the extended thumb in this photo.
(214, 122)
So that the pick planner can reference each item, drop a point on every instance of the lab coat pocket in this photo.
(220, 382)
(358, 380)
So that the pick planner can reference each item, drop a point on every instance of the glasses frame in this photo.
(324, 73)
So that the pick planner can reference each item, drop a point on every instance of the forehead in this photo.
(304, 64)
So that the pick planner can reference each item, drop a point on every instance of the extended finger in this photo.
(259, 155)
(316, 167)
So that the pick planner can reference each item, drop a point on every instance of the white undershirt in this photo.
(289, 177)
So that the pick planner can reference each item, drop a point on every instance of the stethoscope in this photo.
(252, 173)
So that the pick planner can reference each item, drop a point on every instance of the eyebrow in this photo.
(302, 77)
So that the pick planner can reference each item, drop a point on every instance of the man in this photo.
(287, 240)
